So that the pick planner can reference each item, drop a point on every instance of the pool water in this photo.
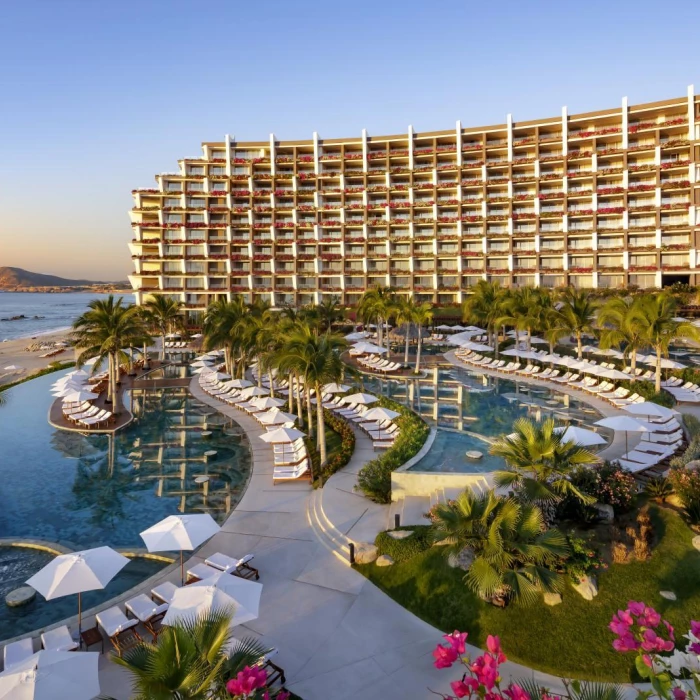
(89, 490)
(170, 371)
(18, 564)
(469, 410)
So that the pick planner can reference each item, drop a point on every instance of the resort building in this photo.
(604, 199)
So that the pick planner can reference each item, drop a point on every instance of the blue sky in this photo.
(97, 97)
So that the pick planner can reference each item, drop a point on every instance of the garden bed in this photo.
(571, 639)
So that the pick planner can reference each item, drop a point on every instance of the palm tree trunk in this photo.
(310, 426)
(269, 376)
(162, 346)
(321, 426)
(115, 388)
(418, 349)
(405, 353)
(633, 364)
(579, 345)
(297, 387)
(260, 374)
(658, 369)
(529, 338)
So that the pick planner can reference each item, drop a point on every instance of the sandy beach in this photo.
(14, 352)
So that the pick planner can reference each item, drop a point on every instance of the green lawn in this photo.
(333, 441)
(570, 639)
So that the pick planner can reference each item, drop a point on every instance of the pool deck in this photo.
(138, 381)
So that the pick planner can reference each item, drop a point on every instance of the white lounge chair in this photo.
(58, 639)
(119, 628)
(16, 652)
(164, 592)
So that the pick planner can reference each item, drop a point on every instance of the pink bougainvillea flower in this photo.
(464, 688)
(515, 692)
(650, 618)
(247, 681)
(485, 670)
(457, 641)
(652, 642)
(444, 656)
(635, 608)
(670, 630)
(678, 693)
(625, 642)
(695, 628)
(619, 624)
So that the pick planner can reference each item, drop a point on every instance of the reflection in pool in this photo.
(470, 409)
(89, 490)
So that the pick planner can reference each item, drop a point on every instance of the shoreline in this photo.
(40, 334)
(14, 352)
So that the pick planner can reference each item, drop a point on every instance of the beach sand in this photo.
(13, 352)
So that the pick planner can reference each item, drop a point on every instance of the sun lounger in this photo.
(119, 628)
(16, 652)
(240, 567)
(164, 592)
(281, 474)
(58, 639)
(148, 613)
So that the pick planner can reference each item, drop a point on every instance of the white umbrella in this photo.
(80, 395)
(265, 402)
(179, 532)
(538, 341)
(360, 398)
(623, 423)
(239, 383)
(220, 376)
(613, 374)
(464, 328)
(276, 417)
(649, 409)
(196, 336)
(334, 388)
(356, 336)
(13, 368)
(380, 413)
(52, 675)
(444, 327)
(202, 363)
(68, 574)
(222, 591)
(282, 435)
(363, 348)
(252, 391)
(581, 436)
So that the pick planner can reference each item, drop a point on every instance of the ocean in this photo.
(55, 311)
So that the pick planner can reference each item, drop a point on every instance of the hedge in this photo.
(347, 445)
(692, 425)
(374, 478)
(405, 549)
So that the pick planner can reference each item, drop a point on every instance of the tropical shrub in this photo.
(374, 478)
(610, 484)
(658, 489)
(692, 452)
(407, 548)
(692, 425)
(638, 629)
(583, 559)
(340, 457)
(686, 484)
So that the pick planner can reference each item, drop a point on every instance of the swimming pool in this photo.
(469, 410)
(88, 490)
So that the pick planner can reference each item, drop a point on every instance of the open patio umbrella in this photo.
(13, 368)
(178, 533)
(360, 335)
(253, 391)
(650, 409)
(363, 348)
(613, 374)
(581, 436)
(220, 376)
(52, 675)
(276, 417)
(221, 591)
(265, 402)
(201, 363)
(624, 423)
(239, 383)
(444, 327)
(360, 398)
(334, 388)
(80, 395)
(380, 413)
(282, 436)
(78, 572)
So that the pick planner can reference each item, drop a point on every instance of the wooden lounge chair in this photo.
(240, 567)
(119, 628)
(58, 639)
(148, 613)
(164, 592)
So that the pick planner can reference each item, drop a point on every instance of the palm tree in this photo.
(513, 552)
(422, 316)
(329, 313)
(221, 328)
(165, 313)
(522, 310)
(190, 660)
(618, 326)
(655, 315)
(405, 314)
(578, 314)
(539, 462)
(375, 306)
(485, 308)
(105, 330)
(317, 360)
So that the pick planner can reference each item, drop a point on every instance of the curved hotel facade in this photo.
(604, 200)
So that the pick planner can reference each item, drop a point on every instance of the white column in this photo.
(691, 112)
(625, 259)
(410, 146)
(658, 280)
(564, 131)
(458, 136)
(364, 150)
(272, 154)
(658, 237)
(509, 122)
(657, 155)
(316, 154)
(625, 123)
(228, 155)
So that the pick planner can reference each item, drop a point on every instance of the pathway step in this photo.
(332, 539)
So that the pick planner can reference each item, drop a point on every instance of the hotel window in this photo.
(173, 186)
(195, 170)
(196, 186)
(172, 202)
(196, 203)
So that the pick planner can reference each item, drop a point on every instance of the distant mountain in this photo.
(14, 277)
